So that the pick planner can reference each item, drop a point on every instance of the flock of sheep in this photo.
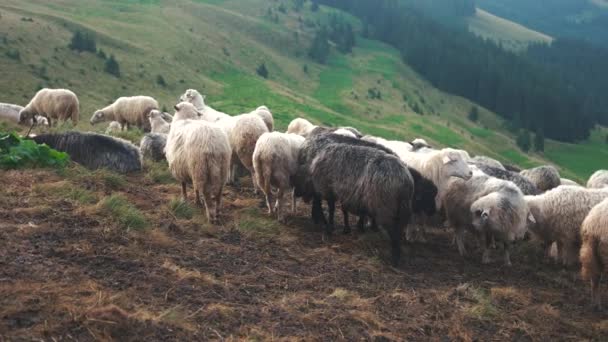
(397, 185)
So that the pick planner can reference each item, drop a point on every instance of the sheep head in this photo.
(454, 165)
(185, 111)
(26, 115)
(98, 117)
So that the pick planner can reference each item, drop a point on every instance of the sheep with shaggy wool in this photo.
(158, 123)
(275, 161)
(243, 137)
(368, 181)
(264, 113)
(419, 143)
(10, 113)
(301, 127)
(95, 151)
(525, 185)
(208, 114)
(545, 177)
(487, 161)
(113, 127)
(132, 110)
(559, 214)
(53, 104)
(566, 181)
(198, 152)
(599, 179)
(594, 250)
(152, 146)
(490, 208)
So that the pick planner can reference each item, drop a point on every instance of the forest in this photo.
(537, 91)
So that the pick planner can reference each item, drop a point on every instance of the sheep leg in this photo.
(293, 201)
(255, 183)
(596, 298)
(317, 211)
(346, 223)
(486, 239)
(560, 251)
(197, 200)
(506, 246)
(184, 194)
(280, 202)
(374, 224)
(210, 207)
(361, 223)
(218, 200)
(268, 193)
(395, 233)
(331, 210)
(460, 242)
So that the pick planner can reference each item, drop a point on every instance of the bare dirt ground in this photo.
(69, 271)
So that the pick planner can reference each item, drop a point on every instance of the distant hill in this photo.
(581, 19)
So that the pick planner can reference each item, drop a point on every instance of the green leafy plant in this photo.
(16, 153)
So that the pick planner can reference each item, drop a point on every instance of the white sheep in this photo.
(566, 181)
(264, 113)
(544, 177)
(301, 127)
(10, 113)
(275, 161)
(208, 114)
(599, 179)
(489, 207)
(113, 127)
(53, 104)
(243, 136)
(198, 152)
(559, 214)
(345, 132)
(157, 123)
(127, 111)
(483, 160)
(594, 250)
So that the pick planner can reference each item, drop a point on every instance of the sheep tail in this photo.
(590, 258)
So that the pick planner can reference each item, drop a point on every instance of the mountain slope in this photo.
(510, 34)
(215, 46)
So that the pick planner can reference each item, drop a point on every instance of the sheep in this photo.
(157, 123)
(275, 161)
(208, 114)
(594, 250)
(511, 168)
(113, 127)
(264, 113)
(598, 180)
(483, 160)
(10, 113)
(301, 127)
(167, 117)
(559, 214)
(53, 104)
(545, 177)
(198, 152)
(152, 146)
(353, 130)
(127, 111)
(526, 186)
(566, 181)
(490, 208)
(95, 151)
(400, 148)
(419, 143)
(368, 181)
(439, 166)
(243, 137)
(345, 132)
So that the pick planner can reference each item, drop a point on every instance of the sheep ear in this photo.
(531, 218)
(446, 160)
(176, 107)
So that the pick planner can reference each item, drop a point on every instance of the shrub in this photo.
(314, 6)
(539, 141)
(101, 54)
(111, 66)
(13, 54)
(319, 50)
(82, 41)
(160, 80)
(523, 140)
(124, 213)
(262, 70)
(305, 68)
(16, 153)
(474, 114)
(181, 209)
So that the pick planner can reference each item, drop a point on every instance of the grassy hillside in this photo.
(510, 34)
(215, 47)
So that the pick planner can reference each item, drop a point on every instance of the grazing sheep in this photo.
(275, 161)
(157, 123)
(152, 146)
(208, 114)
(264, 113)
(113, 127)
(95, 151)
(490, 208)
(439, 166)
(301, 127)
(127, 111)
(594, 249)
(198, 152)
(243, 137)
(545, 177)
(10, 113)
(566, 181)
(522, 183)
(368, 181)
(483, 160)
(559, 214)
(53, 104)
(598, 180)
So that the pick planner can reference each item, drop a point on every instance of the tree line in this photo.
(528, 94)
